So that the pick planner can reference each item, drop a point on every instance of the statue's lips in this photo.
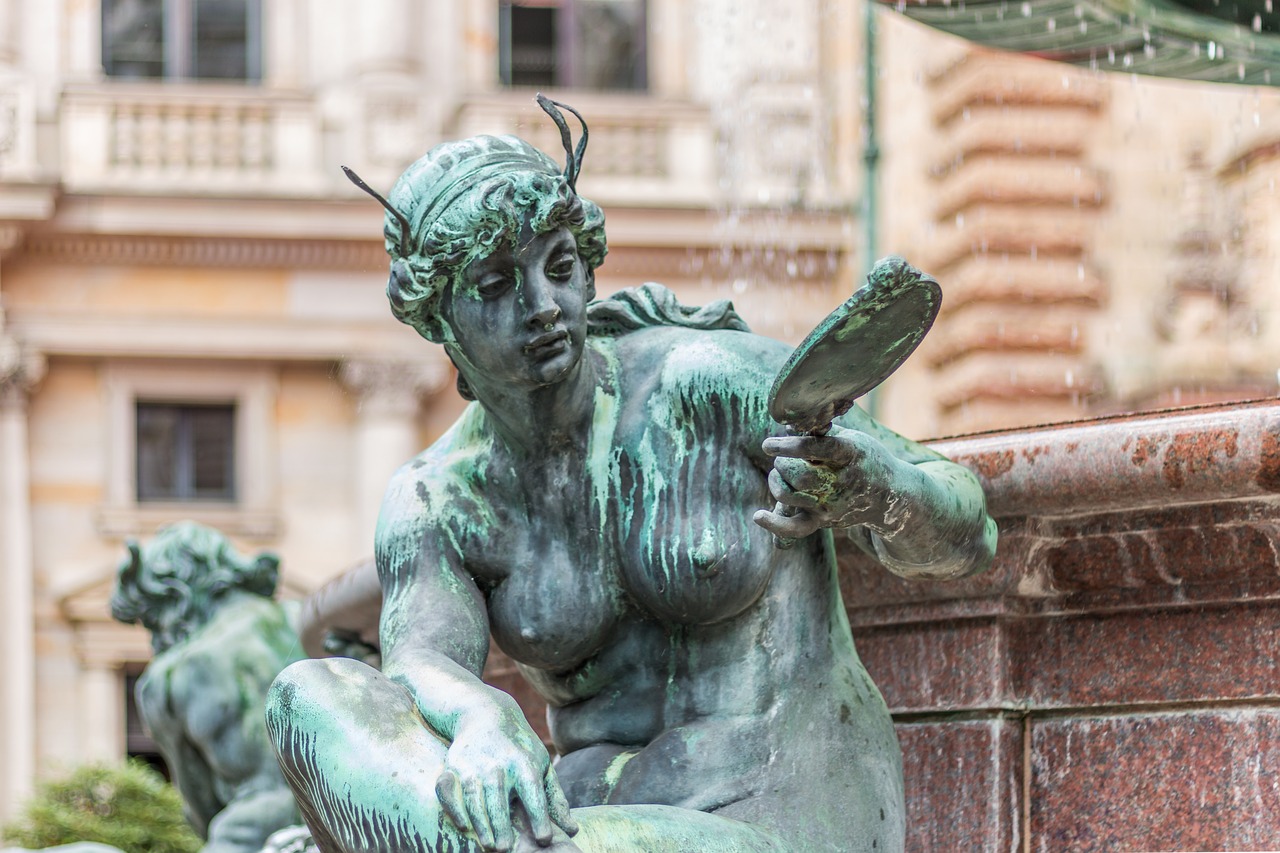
(548, 343)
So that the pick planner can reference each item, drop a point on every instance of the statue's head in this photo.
(463, 200)
(173, 584)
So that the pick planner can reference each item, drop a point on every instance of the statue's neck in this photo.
(533, 420)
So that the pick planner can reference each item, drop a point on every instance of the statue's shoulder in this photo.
(680, 357)
(440, 484)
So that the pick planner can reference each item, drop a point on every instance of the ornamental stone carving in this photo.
(20, 369)
(392, 386)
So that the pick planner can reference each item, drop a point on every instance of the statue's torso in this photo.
(686, 660)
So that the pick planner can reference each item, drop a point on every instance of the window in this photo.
(230, 421)
(182, 39)
(185, 452)
(584, 44)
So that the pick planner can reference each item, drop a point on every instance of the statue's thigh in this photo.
(357, 756)
(667, 829)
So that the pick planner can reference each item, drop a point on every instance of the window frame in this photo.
(567, 59)
(252, 390)
(186, 451)
(178, 56)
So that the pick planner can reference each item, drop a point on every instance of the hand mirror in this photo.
(853, 350)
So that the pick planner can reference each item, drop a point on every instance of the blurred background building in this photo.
(192, 318)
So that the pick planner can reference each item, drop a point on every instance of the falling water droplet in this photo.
(1052, 25)
(1257, 23)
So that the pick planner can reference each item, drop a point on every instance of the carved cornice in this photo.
(133, 250)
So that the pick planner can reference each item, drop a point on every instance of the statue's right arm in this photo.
(435, 637)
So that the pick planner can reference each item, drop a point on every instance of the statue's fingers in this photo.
(534, 799)
(558, 804)
(836, 451)
(478, 813)
(449, 795)
(497, 800)
(787, 526)
(785, 493)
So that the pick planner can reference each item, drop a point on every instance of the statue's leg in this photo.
(667, 829)
(359, 760)
(363, 768)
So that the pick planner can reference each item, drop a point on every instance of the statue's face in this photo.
(518, 316)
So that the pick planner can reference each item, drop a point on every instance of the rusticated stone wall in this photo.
(1014, 205)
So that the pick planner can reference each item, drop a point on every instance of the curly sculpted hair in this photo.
(463, 200)
(171, 584)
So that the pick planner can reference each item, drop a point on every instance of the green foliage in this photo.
(126, 806)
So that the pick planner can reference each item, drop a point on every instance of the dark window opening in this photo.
(185, 452)
(182, 39)
(582, 44)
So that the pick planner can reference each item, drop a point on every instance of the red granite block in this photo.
(1178, 781)
(949, 665)
(1136, 657)
(1176, 548)
(964, 782)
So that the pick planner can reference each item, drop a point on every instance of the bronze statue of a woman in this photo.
(592, 512)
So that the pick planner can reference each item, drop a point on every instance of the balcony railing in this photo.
(643, 150)
(189, 139)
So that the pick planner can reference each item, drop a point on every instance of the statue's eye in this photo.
(493, 286)
(561, 266)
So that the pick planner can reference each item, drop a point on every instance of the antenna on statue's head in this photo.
(573, 159)
(400, 217)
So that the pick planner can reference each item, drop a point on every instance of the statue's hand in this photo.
(841, 479)
(490, 765)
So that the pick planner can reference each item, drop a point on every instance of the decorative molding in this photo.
(10, 238)
(21, 369)
(134, 250)
(133, 520)
(779, 265)
(8, 124)
(394, 386)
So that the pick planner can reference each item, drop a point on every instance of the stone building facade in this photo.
(183, 265)
(194, 323)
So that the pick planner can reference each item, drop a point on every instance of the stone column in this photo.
(389, 396)
(19, 372)
(9, 13)
(101, 712)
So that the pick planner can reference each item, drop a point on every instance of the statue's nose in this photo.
(540, 303)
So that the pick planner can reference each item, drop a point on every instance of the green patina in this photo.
(593, 512)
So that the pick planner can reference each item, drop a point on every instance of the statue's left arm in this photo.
(916, 512)
(188, 768)
(219, 756)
